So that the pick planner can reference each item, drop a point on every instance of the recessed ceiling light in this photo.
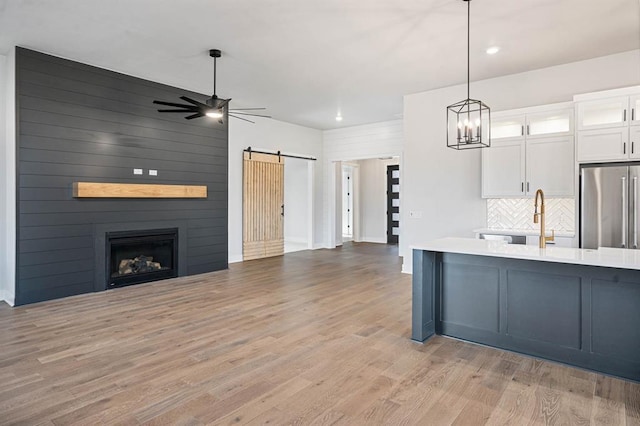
(338, 117)
(493, 50)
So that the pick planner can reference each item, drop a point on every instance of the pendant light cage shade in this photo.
(468, 121)
(468, 125)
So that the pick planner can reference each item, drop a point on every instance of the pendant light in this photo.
(468, 121)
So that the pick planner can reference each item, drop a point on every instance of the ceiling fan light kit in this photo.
(468, 121)
(214, 107)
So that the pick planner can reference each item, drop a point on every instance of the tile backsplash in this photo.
(517, 213)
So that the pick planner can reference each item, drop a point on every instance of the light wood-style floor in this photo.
(312, 338)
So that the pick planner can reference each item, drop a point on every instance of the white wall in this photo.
(444, 184)
(373, 199)
(271, 135)
(376, 140)
(296, 191)
(7, 178)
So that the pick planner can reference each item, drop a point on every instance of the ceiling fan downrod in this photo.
(215, 54)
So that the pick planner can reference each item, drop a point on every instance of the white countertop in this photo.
(606, 257)
(526, 232)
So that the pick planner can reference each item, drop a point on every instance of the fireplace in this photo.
(135, 257)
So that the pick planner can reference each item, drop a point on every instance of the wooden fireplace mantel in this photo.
(136, 190)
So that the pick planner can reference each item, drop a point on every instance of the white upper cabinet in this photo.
(603, 113)
(635, 110)
(507, 127)
(503, 169)
(606, 122)
(556, 122)
(603, 145)
(550, 166)
(530, 148)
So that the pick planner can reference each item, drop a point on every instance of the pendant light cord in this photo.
(468, 48)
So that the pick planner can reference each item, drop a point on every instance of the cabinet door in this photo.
(503, 169)
(550, 166)
(603, 113)
(634, 140)
(549, 123)
(603, 145)
(635, 110)
(507, 127)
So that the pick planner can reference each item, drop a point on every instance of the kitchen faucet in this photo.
(540, 216)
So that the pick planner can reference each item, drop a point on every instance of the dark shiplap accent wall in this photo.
(81, 123)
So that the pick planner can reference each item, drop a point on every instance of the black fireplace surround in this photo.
(135, 257)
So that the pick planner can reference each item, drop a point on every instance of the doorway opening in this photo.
(362, 213)
(298, 205)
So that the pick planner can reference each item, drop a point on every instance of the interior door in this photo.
(393, 203)
(262, 206)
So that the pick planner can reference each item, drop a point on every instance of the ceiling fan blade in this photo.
(177, 110)
(224, 103)
(245, 109)
(253, 115)
(172, 104)
(200, 104)
(240, 118)
(191, 117)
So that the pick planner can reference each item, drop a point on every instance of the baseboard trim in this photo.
(5, 298)
(296, 241)
(374, 240)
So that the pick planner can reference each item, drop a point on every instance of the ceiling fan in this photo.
(213, 107)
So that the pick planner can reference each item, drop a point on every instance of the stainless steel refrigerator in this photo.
(609, 206)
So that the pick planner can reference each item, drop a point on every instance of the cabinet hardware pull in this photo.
(528, 133)
(521, 186)
(624, 116)
(527, 186)
(624, 147)
(522, 130)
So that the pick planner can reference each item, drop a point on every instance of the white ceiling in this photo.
(308, 59)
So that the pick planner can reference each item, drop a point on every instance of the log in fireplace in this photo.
(135, 257)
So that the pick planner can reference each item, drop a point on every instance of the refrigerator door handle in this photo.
(625, 210)
(635, 212)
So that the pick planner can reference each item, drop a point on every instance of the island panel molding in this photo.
(137, 190)
(575, 311)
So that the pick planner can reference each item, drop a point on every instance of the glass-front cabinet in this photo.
(635, 110)
(550, 123)
(603, 113)
(507, 127)
(538, 123)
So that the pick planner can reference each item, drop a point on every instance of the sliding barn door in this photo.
(263, 206)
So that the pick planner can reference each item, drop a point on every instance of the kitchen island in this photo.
(579, 307)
